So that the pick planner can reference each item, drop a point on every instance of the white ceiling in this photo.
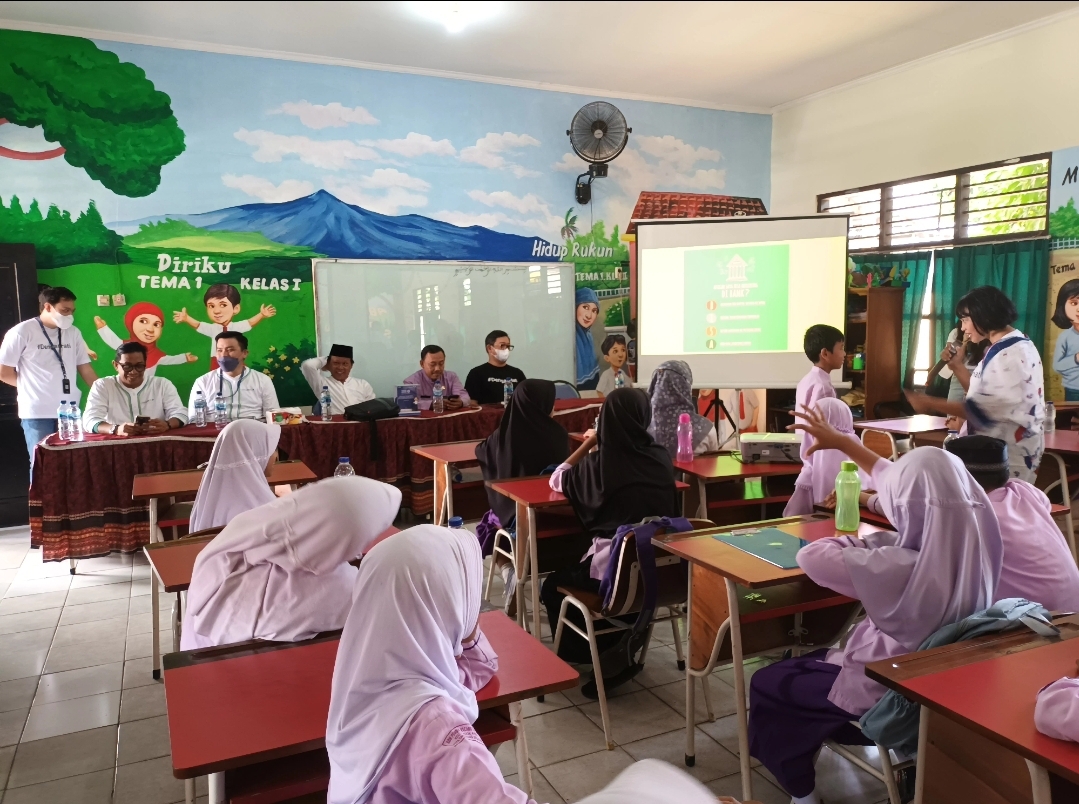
(739, 55)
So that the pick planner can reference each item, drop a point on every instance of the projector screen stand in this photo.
(716, 407)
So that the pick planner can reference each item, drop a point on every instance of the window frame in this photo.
(962, 182)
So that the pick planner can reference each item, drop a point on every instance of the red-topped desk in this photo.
(725, 467)
(233, 707)
(978, 702)
(782, 609)
(80, 504)
(532, 494)
(445, 457)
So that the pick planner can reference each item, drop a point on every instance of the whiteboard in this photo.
(389, 310)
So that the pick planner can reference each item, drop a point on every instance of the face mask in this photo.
(229, 364)
(502, 355)
(63, 321)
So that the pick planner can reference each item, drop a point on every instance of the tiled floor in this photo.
(82, 721)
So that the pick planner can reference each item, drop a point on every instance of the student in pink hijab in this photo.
(1038, 564)
(281, 571)
(819, 468)
(1056, 714)
(942, 564)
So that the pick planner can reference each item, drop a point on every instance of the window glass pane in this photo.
(921, 352)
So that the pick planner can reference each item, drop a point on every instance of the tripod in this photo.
(715, 407)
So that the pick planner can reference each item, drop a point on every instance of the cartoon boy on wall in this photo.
(222, 306)
(1066, 353)
(587, 311)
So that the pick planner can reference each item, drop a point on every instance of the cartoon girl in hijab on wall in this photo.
(587, 311)
(144, 322)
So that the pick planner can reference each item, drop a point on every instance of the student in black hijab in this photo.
(628, 478)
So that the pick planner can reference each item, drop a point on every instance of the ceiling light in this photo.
(457, 16)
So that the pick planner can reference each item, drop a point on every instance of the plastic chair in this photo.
(627, 598)
(565, 390)
(1052, 475)
(885, 773)
(881, 443)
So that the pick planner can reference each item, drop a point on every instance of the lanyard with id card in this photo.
(66, 384)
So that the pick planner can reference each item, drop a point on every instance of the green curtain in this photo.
(1020, 268)
(917, 264)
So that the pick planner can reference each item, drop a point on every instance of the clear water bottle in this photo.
(200, 409)
(437, 403)
(619, 380)
(74, 422)
(344, 468)
(1050, 423)
(848, 486)
(63, 430)
(507, 391)
(457, 522)
(324, 401)
(221, 413)
(952, 435)
(685, 438)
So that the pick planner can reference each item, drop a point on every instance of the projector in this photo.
(770, 447)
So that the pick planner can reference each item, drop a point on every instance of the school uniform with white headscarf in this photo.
(281, 571)
(403, 698)
(235, 477)
(819, 469)
(942, 565)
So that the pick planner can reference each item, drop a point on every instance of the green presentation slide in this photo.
(736, 299)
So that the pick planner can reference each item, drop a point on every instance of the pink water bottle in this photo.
(685, 438)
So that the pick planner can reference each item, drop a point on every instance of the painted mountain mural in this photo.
(329, 226)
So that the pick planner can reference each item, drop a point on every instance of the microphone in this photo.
(956, 346)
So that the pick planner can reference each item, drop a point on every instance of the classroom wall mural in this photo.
(179, 192)
(1062, 328)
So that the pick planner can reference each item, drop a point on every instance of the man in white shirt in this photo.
(42, 357)
(132, 403)
(333, 372)
(248, 394)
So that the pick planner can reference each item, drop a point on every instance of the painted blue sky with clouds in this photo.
(261, 129)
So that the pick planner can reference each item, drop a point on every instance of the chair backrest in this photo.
(628, 594)
(565, 390)
(881, 443)
(203, 532)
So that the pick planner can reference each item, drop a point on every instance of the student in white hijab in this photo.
(235, 478)
(652, 781)
(281, 571)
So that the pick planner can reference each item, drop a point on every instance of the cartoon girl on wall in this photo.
(587, 363)
(144, 322)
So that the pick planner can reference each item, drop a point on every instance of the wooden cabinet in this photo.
(875, 328)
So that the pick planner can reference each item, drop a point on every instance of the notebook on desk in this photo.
(768, 544)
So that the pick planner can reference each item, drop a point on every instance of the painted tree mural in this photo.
(106, 115)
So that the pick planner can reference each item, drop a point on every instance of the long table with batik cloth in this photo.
(80, 495)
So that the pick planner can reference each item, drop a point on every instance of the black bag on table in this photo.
(371, 411)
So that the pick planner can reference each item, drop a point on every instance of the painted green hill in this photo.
(173, 234)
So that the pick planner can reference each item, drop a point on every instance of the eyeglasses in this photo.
(504, 346)
(132, 368)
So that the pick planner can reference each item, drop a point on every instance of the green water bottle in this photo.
(847, 488)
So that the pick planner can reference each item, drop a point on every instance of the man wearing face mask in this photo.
(42, 357)
(247, 394)
(485, 383)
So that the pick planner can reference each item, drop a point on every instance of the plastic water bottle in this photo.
(952, 435)
(619, 380)
(74, 423)
(324, 401)
(344, 468)
(847, 488)
(1050, 423)
(221, 414)
(685, 438)
(457, 522)
(437, 403)
(200, 409)
(507, 391)
(63, 430)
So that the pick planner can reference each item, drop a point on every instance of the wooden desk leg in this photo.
(691, 748)
(739, 689)
(155, 612)
(702, 501)
(520, 552)
(153, 520)
(1039, 782)
(524, 772)
(449, 491)
(439, 492)
(217, 788)
(177, 621)
(533, 571)
(919, 765)
(189, 791)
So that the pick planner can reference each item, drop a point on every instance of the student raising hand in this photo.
(825, 436)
